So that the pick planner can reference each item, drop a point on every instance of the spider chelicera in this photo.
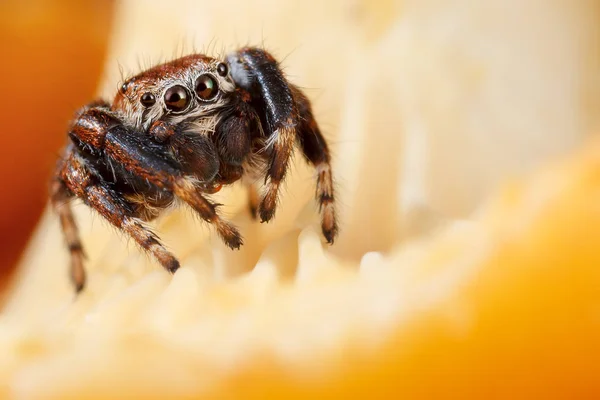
(182, 130)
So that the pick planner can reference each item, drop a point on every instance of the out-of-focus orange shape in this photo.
(526, 326)
(52, 57)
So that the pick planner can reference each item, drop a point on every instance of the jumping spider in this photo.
(182, 130)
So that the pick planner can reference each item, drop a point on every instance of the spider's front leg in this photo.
(287, 117)
(76, 177)
(257, 72)
(99, 135)
(152, 164)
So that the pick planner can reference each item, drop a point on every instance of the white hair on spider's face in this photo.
(205, 125)
(186, 89)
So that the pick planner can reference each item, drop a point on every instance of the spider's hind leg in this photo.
(60, 198)
(315, 150)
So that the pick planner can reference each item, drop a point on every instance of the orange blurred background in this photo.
(53, 55)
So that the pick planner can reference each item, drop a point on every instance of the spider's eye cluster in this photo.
(177, 98)
(206, 87)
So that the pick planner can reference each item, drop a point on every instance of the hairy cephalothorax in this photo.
(182, 130)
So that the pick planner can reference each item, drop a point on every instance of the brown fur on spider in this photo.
(182, 130)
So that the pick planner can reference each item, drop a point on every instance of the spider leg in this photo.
(136, 156)
(98, 195)
(257, 71)
(60, 198)
(315, 150)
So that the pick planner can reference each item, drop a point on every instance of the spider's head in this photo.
(184, 89)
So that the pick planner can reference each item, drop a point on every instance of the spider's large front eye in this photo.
(206, 87)
(177, 98)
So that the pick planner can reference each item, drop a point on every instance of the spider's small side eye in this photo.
(222, 69)
(206, 87)
(177, 98)
(124, 87)
(147, 100)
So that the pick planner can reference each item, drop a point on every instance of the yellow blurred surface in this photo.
(505, 306)
(524, 324)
